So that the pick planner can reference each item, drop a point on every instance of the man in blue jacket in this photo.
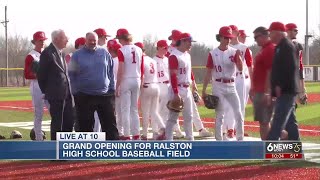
(91, 75)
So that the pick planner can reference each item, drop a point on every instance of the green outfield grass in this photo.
(311, 87)
(306, 115)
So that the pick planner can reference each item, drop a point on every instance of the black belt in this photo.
(225, 80)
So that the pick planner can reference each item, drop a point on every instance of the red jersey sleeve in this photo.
(248, 57)
(142, 66)
(28, 74)
(173, 62)
(120, 56)
(209, 62)
(192, 76)
(300, 60)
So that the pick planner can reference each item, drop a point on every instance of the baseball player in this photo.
(203, 132)
(180, 78)
(30, 70)
(128, 83)
(102, 36)
(149, 98)
(242, 81)
(79, 43)
(102, 41)
(242, 36)
(164, 83)
(113, 47)
(292, 31)
(221, 69)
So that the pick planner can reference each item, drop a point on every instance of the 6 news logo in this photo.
(283, 147)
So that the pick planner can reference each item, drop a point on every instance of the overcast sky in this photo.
(201, 18)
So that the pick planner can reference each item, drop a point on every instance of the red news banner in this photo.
(284, 156)
(283, 150)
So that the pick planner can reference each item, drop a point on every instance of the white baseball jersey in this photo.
(115, 68)
(184, 66)
(242, 48)
(132, 61)
(163, 68)
(150, 70)
(35, 54)
(171, 49)
(223, 63)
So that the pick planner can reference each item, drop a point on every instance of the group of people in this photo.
(99, 86)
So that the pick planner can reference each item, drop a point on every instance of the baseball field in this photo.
(16, 113)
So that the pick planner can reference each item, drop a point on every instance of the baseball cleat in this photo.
(230, 133)
(179, 135)
(136, 137)
(143, 137)
(205, 133)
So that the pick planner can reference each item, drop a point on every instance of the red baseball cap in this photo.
(174, 35)
(39, 35)
(101, 32)
(185, 36)
(122, 32)
(111, 42)
(277, 26)
(162, 43)
(242, 33)
(291, 26)
(80, 41)
(226, 31)
(234, 28)
(115, 47)
(139, 44)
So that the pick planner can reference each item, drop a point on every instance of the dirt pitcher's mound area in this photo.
(131, 170)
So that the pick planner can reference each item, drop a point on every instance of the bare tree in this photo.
(149, 43)
(314, 50)
(18, 48)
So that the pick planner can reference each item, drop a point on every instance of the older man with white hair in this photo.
(91, 73)
(54, 83)
(284, 84)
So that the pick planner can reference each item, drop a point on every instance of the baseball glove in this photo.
(196, 97)
(175, 105)
(303, 99)
(15, 135)
(33, 134)
(211, 101)
(2, 137)
(35, 66)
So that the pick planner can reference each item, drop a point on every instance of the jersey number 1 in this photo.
(133, 57)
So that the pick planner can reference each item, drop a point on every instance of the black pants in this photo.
(284, 118)
(62, 116)
(86, 105)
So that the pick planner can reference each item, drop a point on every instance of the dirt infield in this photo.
(129, 170)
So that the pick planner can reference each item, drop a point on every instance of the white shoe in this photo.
(205, 133)
(179, 135)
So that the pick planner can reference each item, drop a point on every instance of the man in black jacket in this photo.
(55, 85)
(284, 84)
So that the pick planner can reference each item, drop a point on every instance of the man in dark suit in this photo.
(55, 85)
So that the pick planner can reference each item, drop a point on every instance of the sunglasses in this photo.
(226, 38)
